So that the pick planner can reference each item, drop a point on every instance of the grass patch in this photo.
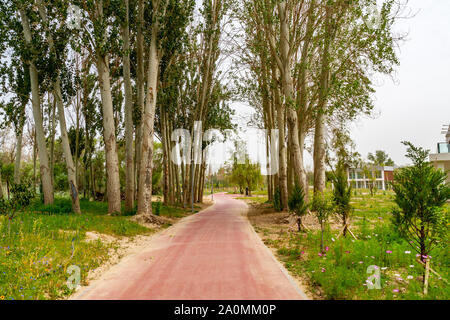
(38, 246)
(341, 273)
(256, 199)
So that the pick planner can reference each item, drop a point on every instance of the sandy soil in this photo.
(272, 225)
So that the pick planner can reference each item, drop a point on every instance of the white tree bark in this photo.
(19, 139)
(129, 174)
(319, 134)
(71, 170)
(288, 88)
(47, 185)
(112, 161)
(146, 162)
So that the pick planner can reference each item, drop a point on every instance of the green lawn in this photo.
(341, 273)
(39, 244)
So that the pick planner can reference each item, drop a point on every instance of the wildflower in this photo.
(397, 275)
(303, 252)
(395, 290)
(375, 267)
(411, 266)
(323, 270)
(320, 254)
(2, 297)
(417, 255)
(347, 251)
(407, 252)
(384, 268)
(326, 248)
(332, 239)
(409, 277)
(360, 262)
(388, 251)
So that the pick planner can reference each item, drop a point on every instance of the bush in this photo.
(278, 206)
(60, 206)
(22, 195)
(297, 204)
(342, 194)
(420, 194)
(157, 209)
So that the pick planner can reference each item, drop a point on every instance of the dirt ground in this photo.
(272, 225)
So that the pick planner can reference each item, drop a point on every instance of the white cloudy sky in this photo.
(418, 104)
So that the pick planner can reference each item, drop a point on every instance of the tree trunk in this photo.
(52, 139)
(166, 156)
(282, 152)
(140, 85)
(47, 186)
(144, 211)
(71, 169)
(73, 186)
(112, 162)
(19, 138)
(319, 134)
(34, 158)
(288, 88)
(129, 174)
(1, 184)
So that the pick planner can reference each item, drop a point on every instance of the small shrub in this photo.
(157, 209)
(297, 204)
(342, 194)
(278, 206)
(322, 208)
(420, 194)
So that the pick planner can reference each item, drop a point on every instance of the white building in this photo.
(380, 176)
(441, 159)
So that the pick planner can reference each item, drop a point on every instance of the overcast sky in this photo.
(418, 104)
(415, 104)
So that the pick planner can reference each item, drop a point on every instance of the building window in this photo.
(352, 174)
(378, 174)
(360, 175)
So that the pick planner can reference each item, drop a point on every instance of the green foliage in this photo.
(420, 194)
(37, 247)
(60, 206)
(322, 208)
(297, 204)
(277, 200)
(157, 208)
(342, 194)
(22, 195)
(381, 158)
(246, 175)
(341, 271)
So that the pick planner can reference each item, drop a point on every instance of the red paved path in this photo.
(214, 254)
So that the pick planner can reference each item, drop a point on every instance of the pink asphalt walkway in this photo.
(214, 254)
